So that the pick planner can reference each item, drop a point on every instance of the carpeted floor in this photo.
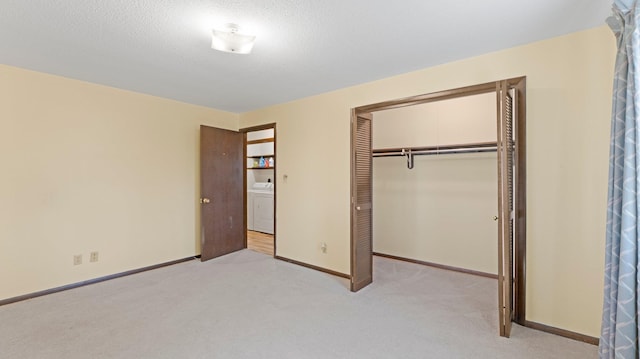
(249, 305)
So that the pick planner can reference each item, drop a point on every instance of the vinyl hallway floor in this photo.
(250, 305)
(260, 242)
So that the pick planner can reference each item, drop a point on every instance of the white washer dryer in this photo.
(260, 207)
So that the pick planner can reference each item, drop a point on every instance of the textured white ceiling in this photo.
(304, 47)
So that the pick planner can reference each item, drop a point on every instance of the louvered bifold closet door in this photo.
(361, 208)
(505, 205)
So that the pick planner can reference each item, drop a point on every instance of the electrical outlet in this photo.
(77, 259)
(323, 247)
(93, 257)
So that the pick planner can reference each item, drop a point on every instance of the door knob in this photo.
(495, 218)
(358, 208)
(204, 200)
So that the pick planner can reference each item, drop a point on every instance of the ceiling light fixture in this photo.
(229, 40)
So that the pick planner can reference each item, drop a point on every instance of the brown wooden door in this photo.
(505, 101)
(222, 192)
(361, 200)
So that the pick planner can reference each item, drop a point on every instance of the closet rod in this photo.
(436, 150)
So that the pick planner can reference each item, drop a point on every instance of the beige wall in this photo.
(92, 168)
(469, 119)
(569, 81)
(441, 210)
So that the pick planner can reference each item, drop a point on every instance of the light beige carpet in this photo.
(248, 305)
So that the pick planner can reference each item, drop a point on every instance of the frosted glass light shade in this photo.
(229, 40)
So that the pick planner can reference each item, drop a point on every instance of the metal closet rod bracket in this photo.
(409, 154)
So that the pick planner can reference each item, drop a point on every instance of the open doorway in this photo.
(509, 95)
(260, 150)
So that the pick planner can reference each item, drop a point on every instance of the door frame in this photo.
(519, 84)
(244, 130)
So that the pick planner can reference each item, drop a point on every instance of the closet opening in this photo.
(439, 180)
(259, 179)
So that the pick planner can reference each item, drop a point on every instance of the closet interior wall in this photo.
(442, 210)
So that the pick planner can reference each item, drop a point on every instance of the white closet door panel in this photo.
(260, 149)
(258, 135)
